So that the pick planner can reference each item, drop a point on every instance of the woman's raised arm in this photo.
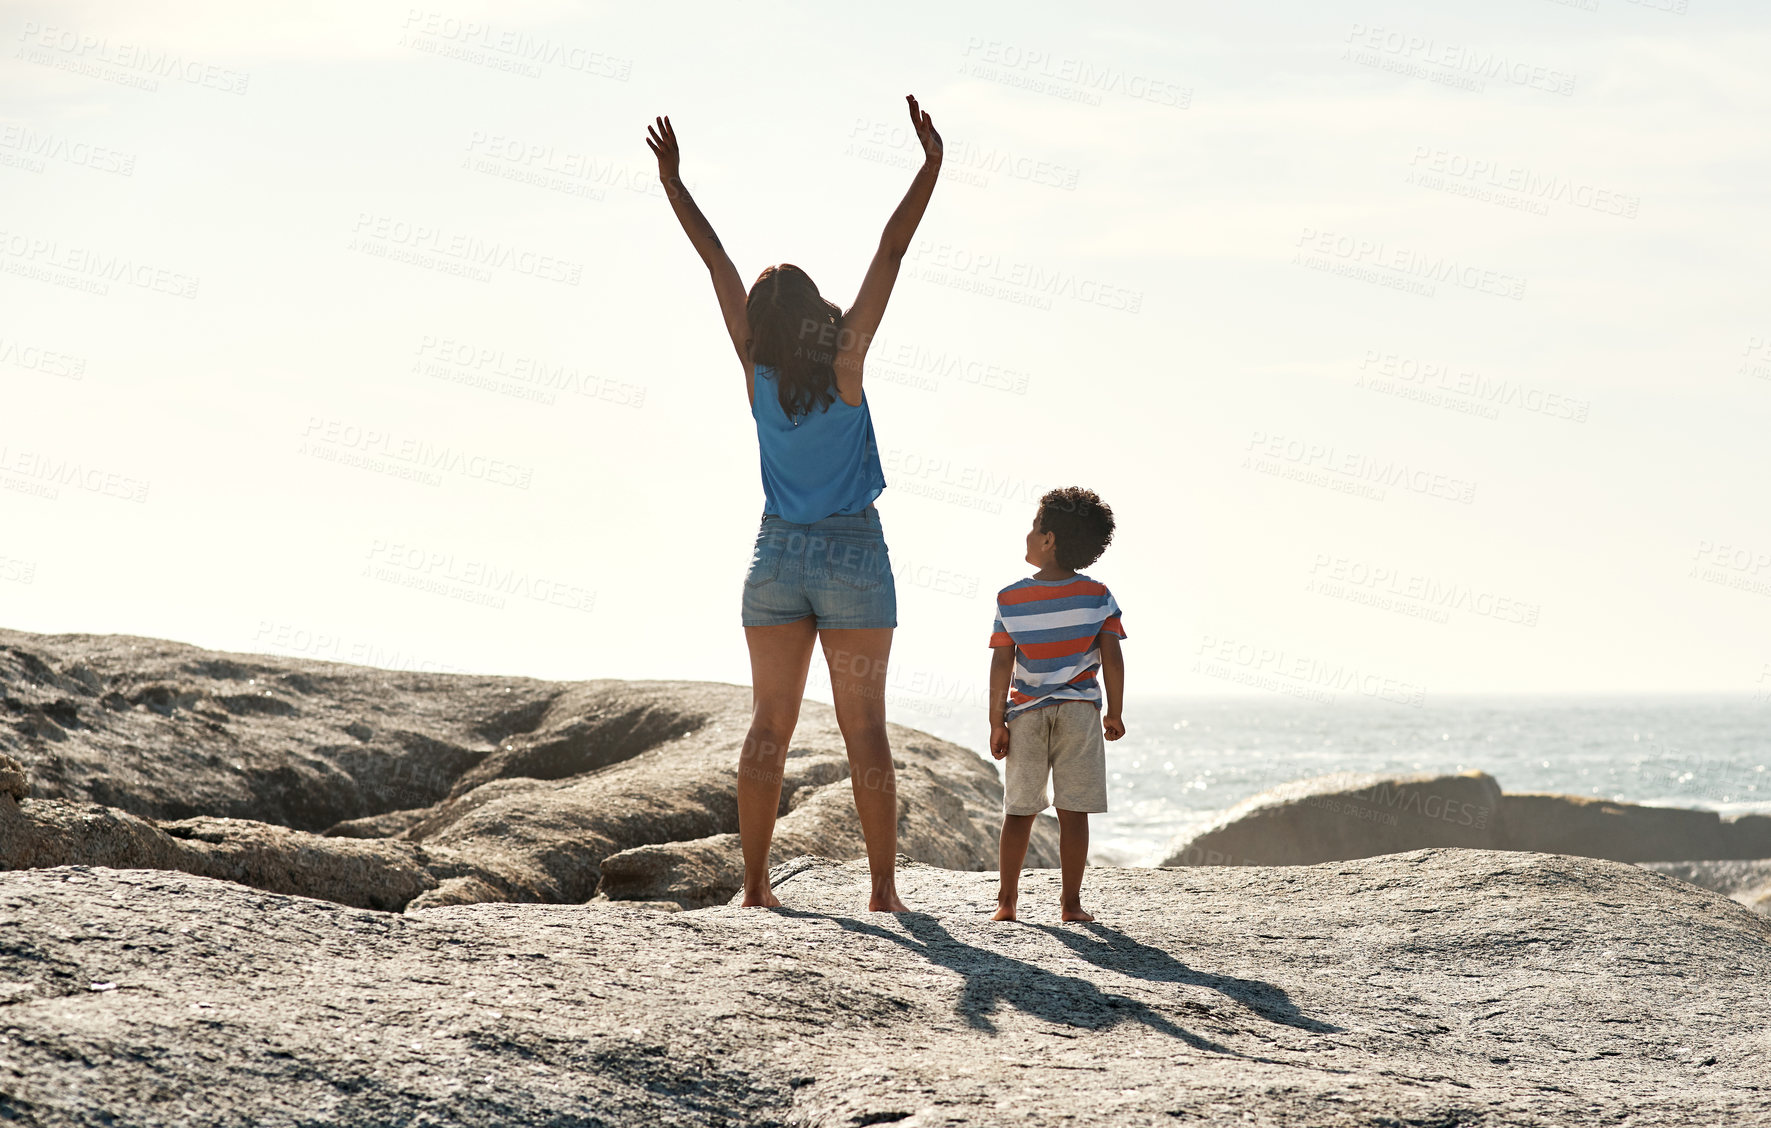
(727, 286)
(862, 320)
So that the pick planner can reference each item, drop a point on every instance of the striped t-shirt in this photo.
(1052, 625)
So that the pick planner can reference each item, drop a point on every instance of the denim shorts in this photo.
(836, 570)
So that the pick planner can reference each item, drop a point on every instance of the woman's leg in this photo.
(857, 688)
(779, 659)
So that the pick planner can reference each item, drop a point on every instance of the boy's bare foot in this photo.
(764, 900)
(1004, 912)
(1076, 914)
(886, 902)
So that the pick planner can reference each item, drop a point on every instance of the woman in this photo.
(820, 569)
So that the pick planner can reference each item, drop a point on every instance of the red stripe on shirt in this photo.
(1035, 594)
(1059, 649)
(1001, 638)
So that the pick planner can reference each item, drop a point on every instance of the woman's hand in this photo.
(925, 130)
(661, 139)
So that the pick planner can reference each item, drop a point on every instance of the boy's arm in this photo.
(1002, 672)
(1113, 673)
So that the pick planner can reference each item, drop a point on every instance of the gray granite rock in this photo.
(429, 789)
(13, 779)
(1347, 815)
(40, 833)
(1445, 987)
(1328, 818)
(1747, 836)
(1599, 828)
(1748, 882)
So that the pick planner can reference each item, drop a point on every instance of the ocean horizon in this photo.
(1184, 761)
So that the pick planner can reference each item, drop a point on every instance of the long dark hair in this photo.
(794, 331)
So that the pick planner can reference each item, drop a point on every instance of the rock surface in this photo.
(1598, 828)
(1748, 882)
(371, 875)
(1438, 988)
(1331, 818)
(1336, 817)
(383, 789)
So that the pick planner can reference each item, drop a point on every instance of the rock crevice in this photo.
(389, 790)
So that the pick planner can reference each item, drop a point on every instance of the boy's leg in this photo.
(1073, 857)
(1023, 790)
(1017, 831)
(1079, 788)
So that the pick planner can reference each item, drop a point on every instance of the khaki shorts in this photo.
(1064, 741)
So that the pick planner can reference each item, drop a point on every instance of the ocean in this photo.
(1184, 761)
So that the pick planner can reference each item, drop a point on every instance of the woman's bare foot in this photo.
(1076, 914)
(764, 900)
(1004, 912)
(886, 902)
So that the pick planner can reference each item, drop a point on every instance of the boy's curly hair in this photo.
(1081, 522)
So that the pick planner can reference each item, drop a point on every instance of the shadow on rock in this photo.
(1115, 951)
(992, 979)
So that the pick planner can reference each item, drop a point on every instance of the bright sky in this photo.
(1420, 352)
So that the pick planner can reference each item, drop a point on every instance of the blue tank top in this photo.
(818, 465)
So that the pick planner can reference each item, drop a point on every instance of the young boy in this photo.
(1053, 632)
